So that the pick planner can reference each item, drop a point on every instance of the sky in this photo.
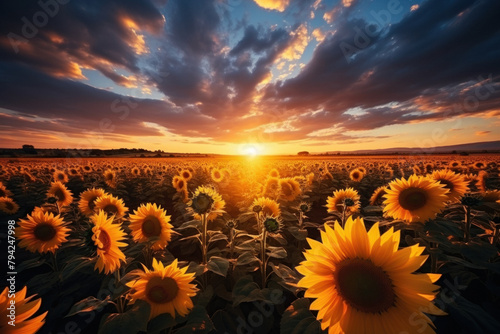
(249, 76)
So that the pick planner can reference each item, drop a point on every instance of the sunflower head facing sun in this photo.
(455, 183)
(417, 199)
(363, 283)
(167, 289)
(151, 221)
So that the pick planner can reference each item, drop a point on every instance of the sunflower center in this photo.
(104, 241)
(44, 232)
(2, 193)
(355, 175)
(151, 227)
(286, 189)
(110, 208)
(412, 198)
(92, 202)
(202, 203)
(161, 290)
(217, 175)
(447, 184)
(364, 285)
(9, 206)
(59, 193)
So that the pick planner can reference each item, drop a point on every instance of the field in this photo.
(387, 244)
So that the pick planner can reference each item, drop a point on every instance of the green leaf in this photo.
(218, 265)
(198, 321)
(161, 322)
(276, 252)
(88, 304)
(190, 224)
(217, 236)
(131, 322)
(75, 266)
(246, 290)
(246, 258)
(298, 319)
(297, 233)
(30, 264)
(196, 268)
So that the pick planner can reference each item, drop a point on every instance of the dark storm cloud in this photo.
(443, 43)
(90, 33)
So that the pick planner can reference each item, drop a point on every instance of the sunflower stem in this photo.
(263, 262)
(204, 238)
(119, 304)
(468, 222)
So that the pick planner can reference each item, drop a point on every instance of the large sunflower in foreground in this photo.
(363, 284)
(42, 232)
(111, 205)
(269, 207)
(455, 183)
(107, 237)
(335, 203)
(25, 308)
(151, 221)
(167, 289)
(88, 198)
(206, 200)
(59, 191)
(417, 199)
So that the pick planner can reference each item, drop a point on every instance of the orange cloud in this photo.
(279, 5)
(482, 133)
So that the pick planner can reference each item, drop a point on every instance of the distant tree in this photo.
(29, 149)
(303, 153)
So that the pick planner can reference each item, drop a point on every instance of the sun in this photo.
(250, 150)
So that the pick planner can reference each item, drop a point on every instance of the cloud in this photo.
(482, 133)
(279, 5)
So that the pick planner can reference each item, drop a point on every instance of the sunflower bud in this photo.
(271, 224)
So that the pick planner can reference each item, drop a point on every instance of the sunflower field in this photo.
(383, 244)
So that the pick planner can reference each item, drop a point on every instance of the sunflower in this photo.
(8, 205)
(290, 188)
(216, 175)
(377, 196)
(88, 198)
(362, 283)
(206, 200)
(490, 196)
(271, 186)
(336, 203)
(25, 307)
(455, 183)
(309, 178)
(150, 221)
(268, 206)
(42, 232)
(186, 174)
(274, 173)
(59, 191)
(356, 175)
(3, 191)
(167, 289)
(136, 171)
(416, 199)
(179, 183)
(60, 176)
(111, 205)
(110, 178)
(107, 238)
